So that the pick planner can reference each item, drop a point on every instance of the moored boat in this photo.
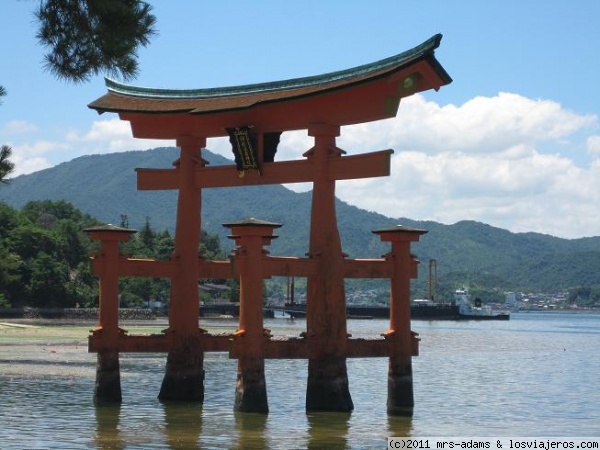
(419, 310)
(475, 310)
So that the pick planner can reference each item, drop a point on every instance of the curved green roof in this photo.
(421, 50)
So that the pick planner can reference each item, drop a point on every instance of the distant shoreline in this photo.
(74, 314)
(558, 311)
(83, 317)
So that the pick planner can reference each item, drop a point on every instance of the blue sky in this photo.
(513, 142)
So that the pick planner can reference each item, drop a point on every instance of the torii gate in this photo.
(254, 116)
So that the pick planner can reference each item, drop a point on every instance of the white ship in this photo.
(475, 310)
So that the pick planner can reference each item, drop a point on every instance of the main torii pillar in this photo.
(327, 385)
(184, 373)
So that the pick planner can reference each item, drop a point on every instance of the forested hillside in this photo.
(468, 253)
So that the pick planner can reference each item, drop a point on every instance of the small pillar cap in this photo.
(252, 222)
(109, 228)
(400, 229)
(252, 227)
(109, 232)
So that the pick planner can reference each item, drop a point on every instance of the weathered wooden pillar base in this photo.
(250, 388)
(108, 378)
(327, 387)
(184, 376)
(400, 401)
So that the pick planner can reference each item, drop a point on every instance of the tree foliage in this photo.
(44, 258)
(87, 37)
(45, 255)
(6, 165)
(584, 296)
(147, 243)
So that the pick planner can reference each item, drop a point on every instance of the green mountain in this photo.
(467, 252)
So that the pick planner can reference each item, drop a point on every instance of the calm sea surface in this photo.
(535, 375)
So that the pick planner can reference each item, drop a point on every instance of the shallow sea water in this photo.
(535, 375)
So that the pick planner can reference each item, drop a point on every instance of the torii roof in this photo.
(361, 94)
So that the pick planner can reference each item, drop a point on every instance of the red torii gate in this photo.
(254, 116)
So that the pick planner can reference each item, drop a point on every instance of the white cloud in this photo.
(30, 165)
(16, 127)
(482, 125)
(221, 146)
(111, 136)
(31, 157)
(293, 144)
(593, 146)
(506, 160)
(481, 161)
(450, 187)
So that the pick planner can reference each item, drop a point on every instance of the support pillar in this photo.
(184, 373)
(327, 385)
(400, 400)
(107, 388)
(251, 389)
(108, 378)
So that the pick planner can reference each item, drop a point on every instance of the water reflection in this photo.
(107, 427)
(400, 426)
(183, 424)
(328, 430)
(251, 429)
